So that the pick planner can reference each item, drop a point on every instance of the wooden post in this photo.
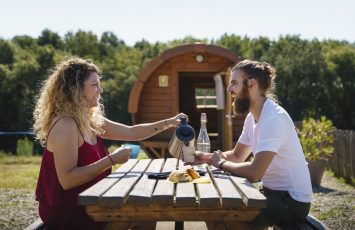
(227, 126)
(352, 149)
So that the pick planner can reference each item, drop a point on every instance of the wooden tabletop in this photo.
(128, 195)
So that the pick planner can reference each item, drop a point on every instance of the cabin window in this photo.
(205, 98)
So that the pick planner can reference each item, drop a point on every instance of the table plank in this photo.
(164, 190)
(185, 194)
(117, 195)
(173, 214)
(251, 196)
(92, 195)
(143, 190)
(207, 194)
(229, 194)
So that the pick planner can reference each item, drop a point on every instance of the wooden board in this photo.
(185, 192)
(92, 195)
(251, 196)
(229, 194)
(118, 193)
(207, 194)
(164, 190)
(143, 190)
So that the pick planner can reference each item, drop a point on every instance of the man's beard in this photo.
(241, 104)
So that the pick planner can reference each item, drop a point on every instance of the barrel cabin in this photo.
(192, 79)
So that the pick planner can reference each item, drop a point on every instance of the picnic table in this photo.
(128, 195)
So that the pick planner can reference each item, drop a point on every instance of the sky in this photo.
(164, 20)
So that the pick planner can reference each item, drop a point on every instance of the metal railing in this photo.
(8, 140)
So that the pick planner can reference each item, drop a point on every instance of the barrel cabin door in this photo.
(197, 95)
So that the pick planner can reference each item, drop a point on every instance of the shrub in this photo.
(317, 138)
(24, 147)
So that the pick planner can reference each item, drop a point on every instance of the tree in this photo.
(83, 44)
(148, 51)
(6, 53)
(25, 41)
(302, 83)
(48, 37)
(341, 64)
(119, 75)
(239, 46)
(108, 45)
(258, 47)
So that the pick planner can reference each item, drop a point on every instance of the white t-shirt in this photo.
(275, 132)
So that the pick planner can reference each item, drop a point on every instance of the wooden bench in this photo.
(310, 223)
(37, 225)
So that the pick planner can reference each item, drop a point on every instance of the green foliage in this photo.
(25, 41)
(314, 77)
(301, 76)
(317, 138)
(83, 44)
(341, 66)
(24, 147)
(185, 40)
(50, 38)
(238, 45)
(6, 52)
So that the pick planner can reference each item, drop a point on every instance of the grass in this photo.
(329, 214)
(19, 172)
(342, 180)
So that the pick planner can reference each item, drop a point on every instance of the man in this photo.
(268, 133)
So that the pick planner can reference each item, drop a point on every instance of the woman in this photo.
(69, 122)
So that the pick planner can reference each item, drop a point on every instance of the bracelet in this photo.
(166, 124)
(113, 163)
(221, 164)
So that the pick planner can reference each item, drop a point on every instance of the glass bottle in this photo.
(203, 141)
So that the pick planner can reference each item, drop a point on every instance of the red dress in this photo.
(58, 208)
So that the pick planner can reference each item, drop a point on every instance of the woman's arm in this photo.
(63, 141)
(117, 131)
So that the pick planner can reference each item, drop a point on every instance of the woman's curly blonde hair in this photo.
(60, 95)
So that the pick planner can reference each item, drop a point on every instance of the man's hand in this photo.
(217, 158)
(200, 158)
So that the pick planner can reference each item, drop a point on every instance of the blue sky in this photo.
(164, 20)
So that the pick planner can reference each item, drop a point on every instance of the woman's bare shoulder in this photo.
(63, 127)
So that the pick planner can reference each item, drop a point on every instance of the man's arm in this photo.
(253, 171)
(239, 154)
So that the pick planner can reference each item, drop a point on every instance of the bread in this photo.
(178, 176)
(193, 173)
(186, 175)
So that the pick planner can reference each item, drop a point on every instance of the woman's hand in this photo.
(200, 158)
(121, 155)
(217, 158)
(175, 121)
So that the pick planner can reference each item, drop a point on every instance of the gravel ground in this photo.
(333, 203)
(18, 208)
